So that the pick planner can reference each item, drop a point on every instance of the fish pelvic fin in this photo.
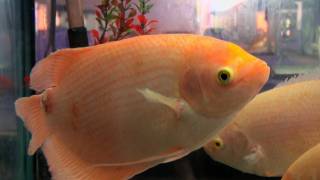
(49, 71)
(177, 105)
(255, 156)
(65, 165)
(30, 111)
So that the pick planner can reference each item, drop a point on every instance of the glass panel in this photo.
(14, 54)
(8, 59)
(284, 33)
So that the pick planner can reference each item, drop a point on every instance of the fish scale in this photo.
(115, 98)
(110, 80)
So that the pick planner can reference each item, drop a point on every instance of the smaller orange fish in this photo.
(272, 130)
(306, 167)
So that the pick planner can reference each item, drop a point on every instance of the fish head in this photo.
(229, 146)
(221, 77)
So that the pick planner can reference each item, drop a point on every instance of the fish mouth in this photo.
(262, 70)
(263, 66)
(258, 72)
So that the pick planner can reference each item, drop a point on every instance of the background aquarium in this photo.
(285, 33)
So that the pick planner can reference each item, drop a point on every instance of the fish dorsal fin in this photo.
(312, 75)
(49, 71)
(65, 165)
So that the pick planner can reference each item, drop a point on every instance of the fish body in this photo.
(271, 131)
(306, 167)
(135, 101)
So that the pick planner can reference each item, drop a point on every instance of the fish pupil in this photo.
(218, 144)
(224, 76)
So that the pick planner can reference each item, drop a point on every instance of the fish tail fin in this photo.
(63, 164)
(49, 71)
(29, 110)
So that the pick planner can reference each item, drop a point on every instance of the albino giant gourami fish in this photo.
(273, 130)
(306, 167)
(116, 109)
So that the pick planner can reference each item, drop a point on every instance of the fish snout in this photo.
(263, 68)
(256, 73)
(259, 72)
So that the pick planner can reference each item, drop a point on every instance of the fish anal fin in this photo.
(30, 111)
(255, 156)
(49, 71)
(65, 165)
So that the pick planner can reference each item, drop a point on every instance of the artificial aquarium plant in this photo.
(116, 20)
(144, 25)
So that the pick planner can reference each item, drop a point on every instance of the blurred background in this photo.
(284, 33)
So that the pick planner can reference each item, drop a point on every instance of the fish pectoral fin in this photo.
(175, 104)
(64, 164)
(255, 156)
(31, 111)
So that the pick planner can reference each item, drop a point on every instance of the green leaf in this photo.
(106, 13)
(112, 10)
(111, 17)
(137, 6)
(99, 21)
(148, 7)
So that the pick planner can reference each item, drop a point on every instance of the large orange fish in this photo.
(273, 130)
(114, 110)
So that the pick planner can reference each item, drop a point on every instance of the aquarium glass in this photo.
(284, 33)
(15, 55)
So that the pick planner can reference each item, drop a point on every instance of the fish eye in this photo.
(225, 76)
(218, 143)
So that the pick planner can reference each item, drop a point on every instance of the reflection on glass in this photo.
(285, 33)
(8, 87)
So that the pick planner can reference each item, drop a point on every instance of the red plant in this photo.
(144, 25)
(124, 20)
(116, 20)
(105, 15)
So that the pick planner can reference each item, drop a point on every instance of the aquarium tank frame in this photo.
(25, 33)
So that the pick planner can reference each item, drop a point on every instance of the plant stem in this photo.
(122, 20)
(103, 33)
